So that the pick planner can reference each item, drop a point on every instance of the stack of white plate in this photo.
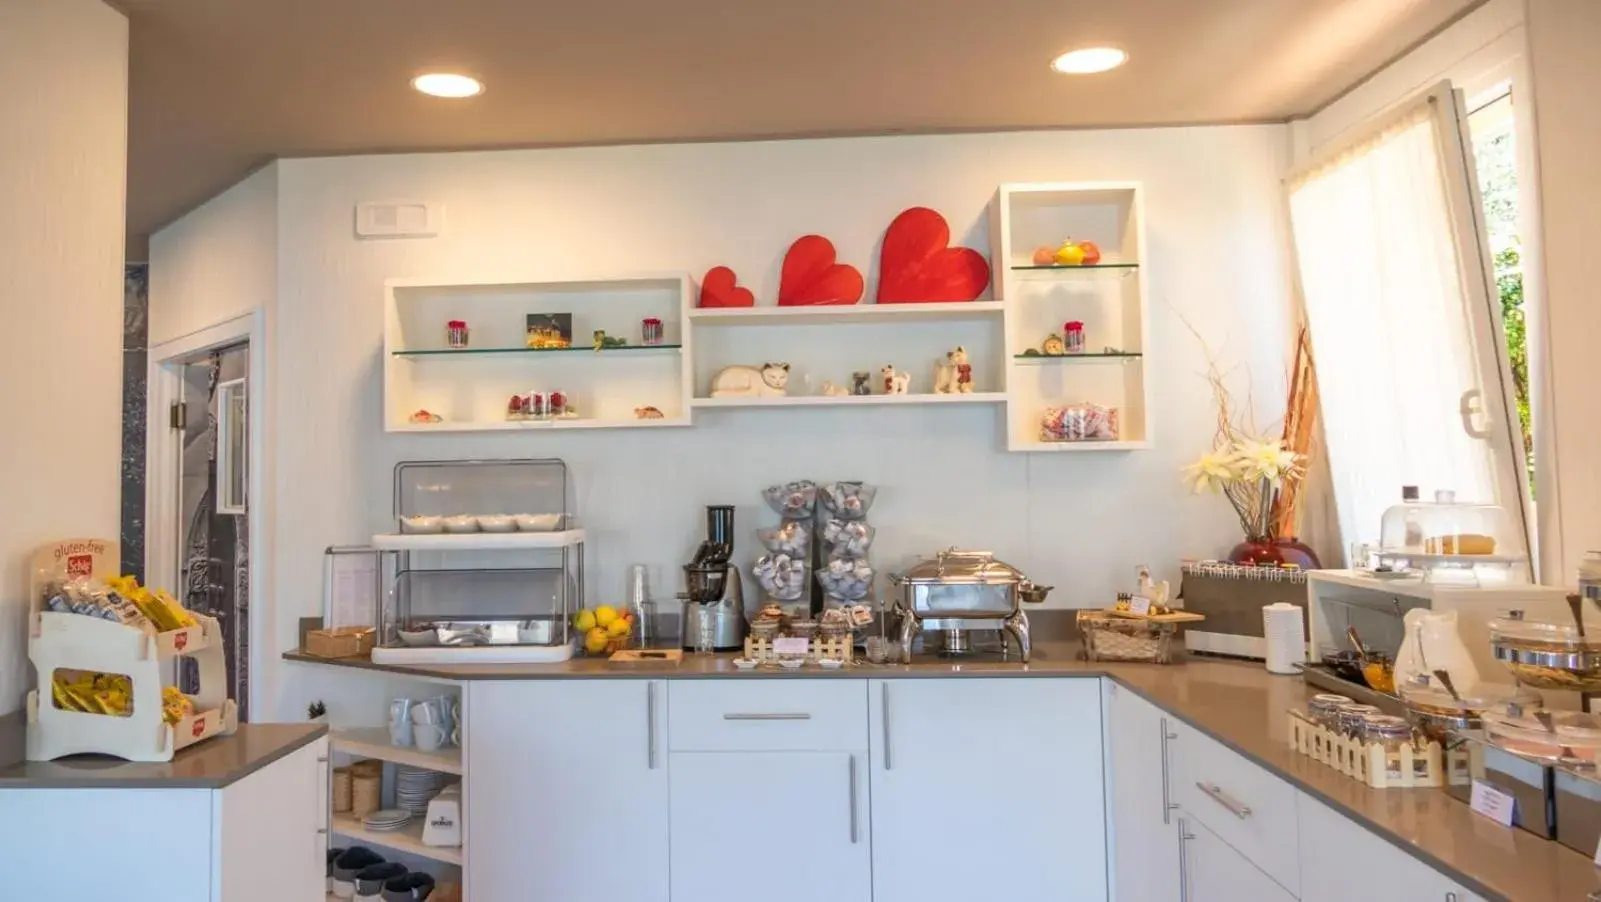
(386, 819)
(415, 788)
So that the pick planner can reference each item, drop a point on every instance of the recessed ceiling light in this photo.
(1089, 60)
(448, 84)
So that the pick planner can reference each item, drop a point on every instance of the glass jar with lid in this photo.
(1323, 709)
(1393, 734)
(1547, 655)
(1437, 713)
(1351, 718)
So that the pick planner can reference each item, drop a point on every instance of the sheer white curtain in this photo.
(1392, 327)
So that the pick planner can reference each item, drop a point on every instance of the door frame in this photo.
(163, 452)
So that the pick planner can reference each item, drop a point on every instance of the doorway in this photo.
(205, 526)
(213, 498)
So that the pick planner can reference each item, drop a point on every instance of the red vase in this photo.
(1288, 550)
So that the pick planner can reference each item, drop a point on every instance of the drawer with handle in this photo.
(767, 715)
(1247, 807)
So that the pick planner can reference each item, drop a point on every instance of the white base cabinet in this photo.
(568, 795)
(255, 840)
(947, 763)
(1211, 871)
(1142, 818)
(1341, 861)
(774, 826)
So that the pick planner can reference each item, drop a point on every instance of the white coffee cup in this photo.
(427, 712)
(429, 736)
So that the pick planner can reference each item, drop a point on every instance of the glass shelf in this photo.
(576, 349)
(1081, 267)
(1071, 358)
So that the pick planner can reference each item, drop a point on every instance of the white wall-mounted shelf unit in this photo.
(1109, 298)
(471, 387)
(823, 344)
(477, 541)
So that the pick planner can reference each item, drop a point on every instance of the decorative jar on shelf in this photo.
(1275, 550)
(456, 334)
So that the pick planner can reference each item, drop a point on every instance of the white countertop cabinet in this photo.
(1004, 773)
(1141, 816)
(1341, 861)
(1212, 871)
(568, 798)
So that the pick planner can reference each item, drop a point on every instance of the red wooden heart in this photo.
(717, 290)
(811, 277)
(917, 263)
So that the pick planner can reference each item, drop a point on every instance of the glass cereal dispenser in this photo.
(1450, 541)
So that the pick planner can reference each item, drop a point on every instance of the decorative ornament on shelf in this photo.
(456, 334)
(830, 390)
(811, 275)
(918, 265)
(1075, 336)
(604, 341)
(1070, 253)
(770, 380)
(1053, 346)
(545, 331)
(647, 413)
(1258, 474)
(954, 375)
(718, 289)
(895, 382)
(861, 383)
(423, 416)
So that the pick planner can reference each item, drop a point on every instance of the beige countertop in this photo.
(212, 764)
(1237, 703)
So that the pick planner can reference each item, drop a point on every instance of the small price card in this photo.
(1139, 604)
(790, 646)
(1493, 803)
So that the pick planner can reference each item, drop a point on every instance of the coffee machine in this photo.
(712, 583)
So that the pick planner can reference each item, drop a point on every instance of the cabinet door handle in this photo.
(650, 725)
(1167, 797)
(1450, 897)
(852, 759)
(776, 715)
(1184, 860)
(884, 716)
(1235, 807)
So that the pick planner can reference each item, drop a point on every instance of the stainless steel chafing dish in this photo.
(962, 590)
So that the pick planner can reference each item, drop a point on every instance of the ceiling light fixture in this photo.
(1089, 60)
(448, 84)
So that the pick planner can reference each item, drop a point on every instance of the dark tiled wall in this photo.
(135, 345)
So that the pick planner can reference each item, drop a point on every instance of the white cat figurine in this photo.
(771, 380)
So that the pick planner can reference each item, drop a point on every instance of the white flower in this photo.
(1211, 472)
(1268, 460)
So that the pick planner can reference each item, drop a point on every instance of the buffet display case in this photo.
(486, 564)
(1451, 542)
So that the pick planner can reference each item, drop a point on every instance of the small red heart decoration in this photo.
(811, 277)
(917, 263)
(717, 290)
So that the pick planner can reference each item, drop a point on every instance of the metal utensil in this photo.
(1445, 680)
(1356, 643)
(1576, 605)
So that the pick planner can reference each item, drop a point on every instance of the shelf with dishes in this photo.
(407, 839)
(587, 353)
(374, 742)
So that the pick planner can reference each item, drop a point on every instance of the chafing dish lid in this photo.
(960, 567)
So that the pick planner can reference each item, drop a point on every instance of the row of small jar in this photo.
(1354, 720)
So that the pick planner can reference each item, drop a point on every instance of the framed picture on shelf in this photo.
(550, 330)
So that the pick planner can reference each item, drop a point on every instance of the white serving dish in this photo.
(417, 638)
(497, 523)
(745, 663)
(423, 525)
(461, 523)
(537, 522)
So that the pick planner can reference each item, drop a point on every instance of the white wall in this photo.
(1080, 522)
(219, 261)
(1566, 69)
(63, 151)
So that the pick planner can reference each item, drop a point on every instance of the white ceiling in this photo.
(220, 86)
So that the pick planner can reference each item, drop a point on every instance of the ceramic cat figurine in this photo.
(770, 380)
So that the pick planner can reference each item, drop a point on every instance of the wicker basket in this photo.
(1109, 638)
(342, 790)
